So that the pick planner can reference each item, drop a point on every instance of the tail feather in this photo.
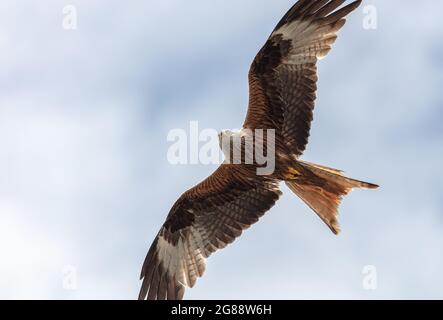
(323, 189)
(337, 176)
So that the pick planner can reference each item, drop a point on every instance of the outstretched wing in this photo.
(206, 218)
(283, 76)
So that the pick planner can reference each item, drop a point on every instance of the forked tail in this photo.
(322, 190)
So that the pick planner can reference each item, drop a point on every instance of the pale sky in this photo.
(85, 183)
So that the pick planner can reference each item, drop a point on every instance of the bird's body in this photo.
(282, 84)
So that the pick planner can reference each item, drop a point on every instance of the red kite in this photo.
(282, 84)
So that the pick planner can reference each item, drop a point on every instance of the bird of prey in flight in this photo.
(282, 92)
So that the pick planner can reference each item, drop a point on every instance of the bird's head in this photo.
(228, 140)
(224, 139)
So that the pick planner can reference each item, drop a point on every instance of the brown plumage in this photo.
(282, 83)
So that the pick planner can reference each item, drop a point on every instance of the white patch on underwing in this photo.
(165, 250)
(310, 41)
